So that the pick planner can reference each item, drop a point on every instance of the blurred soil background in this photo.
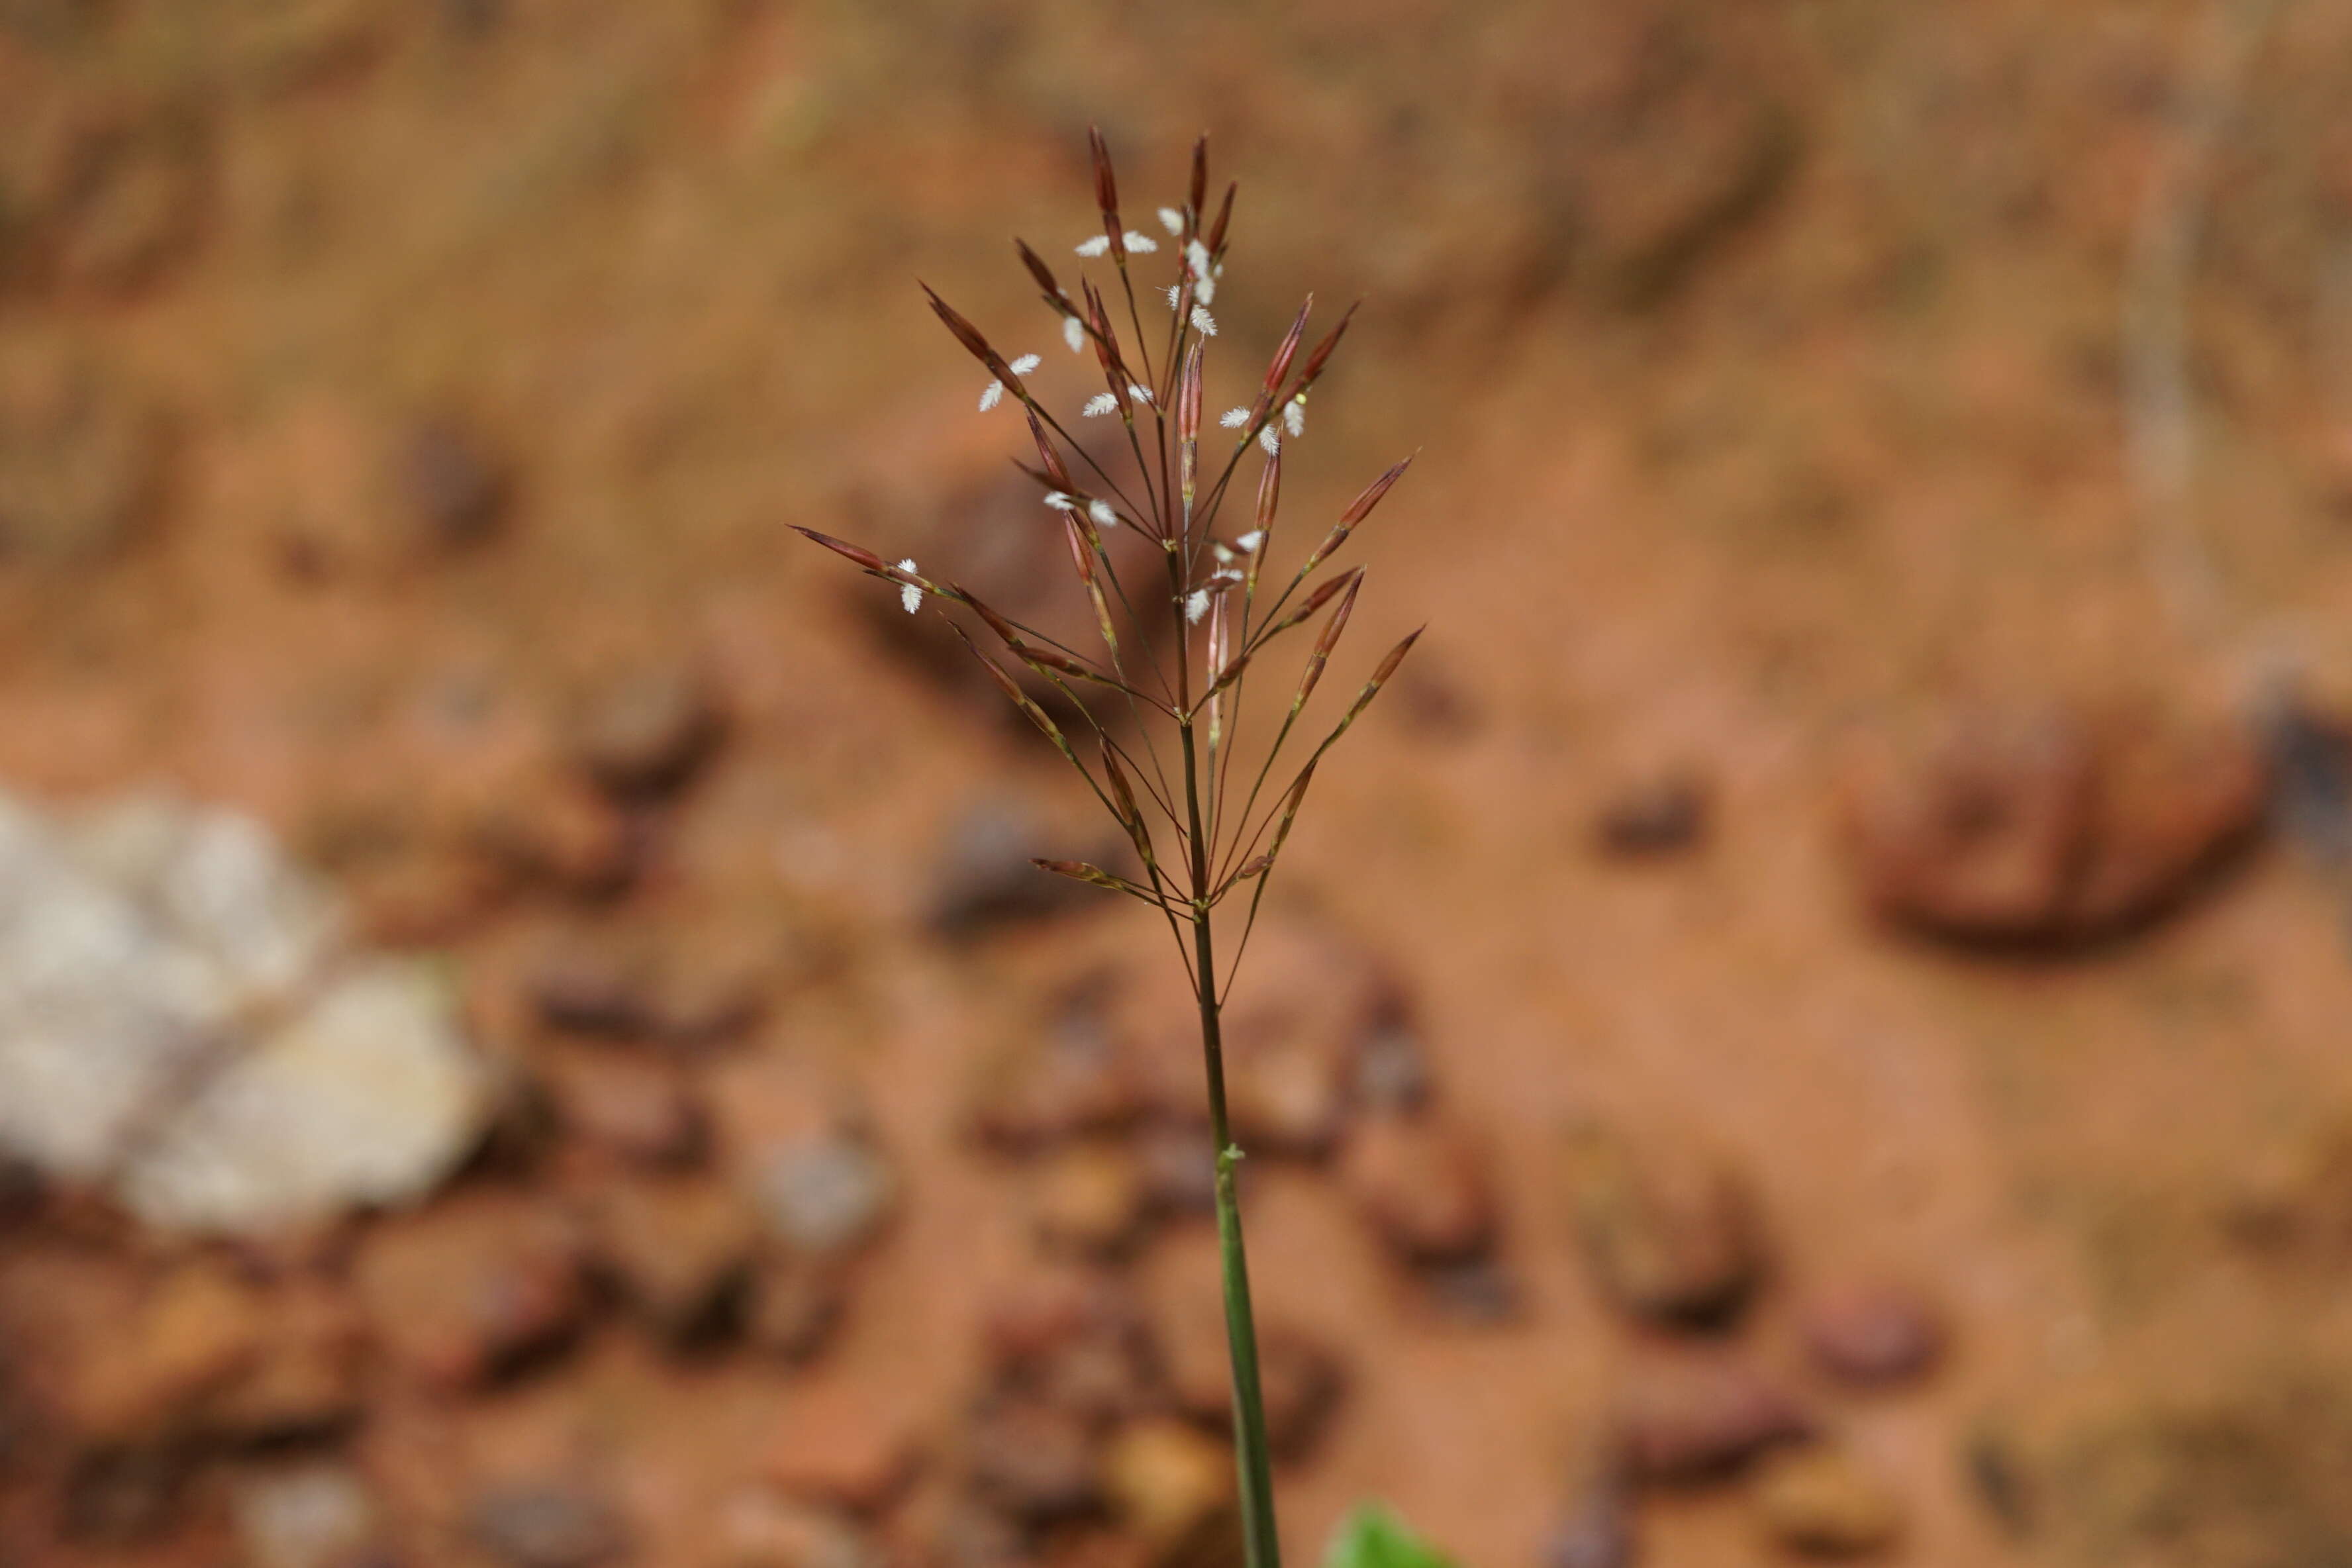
(1812, 1021)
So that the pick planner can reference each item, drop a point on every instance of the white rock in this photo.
(366, 1095)
(169, 976)
(316, 1516)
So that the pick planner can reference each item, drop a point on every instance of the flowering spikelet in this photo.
(1100, 404)
(1196, 606)
(1074, 333)
(1171, 220)
(910, 598)
(1105, 514)
(1234, 418)
(1270, 439)
(1204, 323)
(1098, 246)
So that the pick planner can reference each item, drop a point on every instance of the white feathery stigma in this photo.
(1026, 363)
(1234, 418)
(1248, 543)
(1098, 246)
(1060, 501)
(1196, 257)
(1196, 606)
(1294, 416)
(1171, 220)
(910, 598)
(1100, 404)
(991, 396)
(1103, 512)
(1204, 323)
(1175, 296)
(1074, 333)
(1222, 554)
(1204, 289)
(1140, 394)
(1270, 439)
(1141, 244)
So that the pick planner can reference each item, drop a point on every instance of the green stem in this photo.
(1261, 1548)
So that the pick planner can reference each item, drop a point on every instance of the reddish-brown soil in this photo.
(1768, 370)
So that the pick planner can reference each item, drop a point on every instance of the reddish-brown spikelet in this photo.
(1230, 673)
(996, 623)
(1188, 424)
(1045, 278)
(1224, 217)
(969, 336)
(1316, 600)
(862, 557)
(1315, 360)
(1106, 350)
(1188, 396)
(1388, 666)
(1084, 542)
(1327, 641)
(1283, 355)
(1290, 804)
(1061, 663)
(1198, 192)
(1094, 875)
(1361, 507)
(1018, 698)
(1081, 557)
(1122, 796)
(1139, 832)
(1358, 509)
(1050, 459)
(1028, 652)
(1269, 495)
(1107, 192)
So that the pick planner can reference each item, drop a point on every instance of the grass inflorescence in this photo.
(1160, 734)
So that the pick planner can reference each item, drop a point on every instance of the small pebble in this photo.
(1173, 1486)
(1691, 1417)
(647, 730)
(1669, 1232)
(1088, 1199)
(316, 1516)
(1421, 1185)
(1656, 817)
(1038, 1462)
(1872, 1334)
(1820, 1500)
(455, 491)
(545, 1525)
(826, 1196)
